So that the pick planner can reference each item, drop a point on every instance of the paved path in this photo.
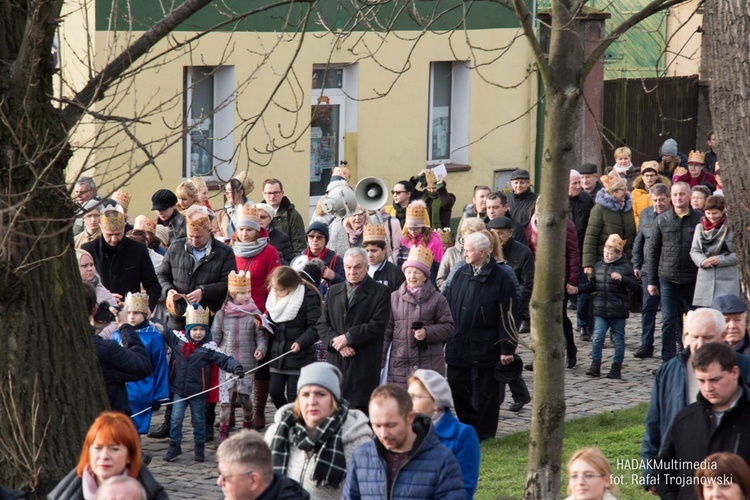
(185, 478)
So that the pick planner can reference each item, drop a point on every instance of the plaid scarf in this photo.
(325, 441)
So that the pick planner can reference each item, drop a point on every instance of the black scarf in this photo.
(325, 441)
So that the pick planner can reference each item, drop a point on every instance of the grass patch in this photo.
(618, 434)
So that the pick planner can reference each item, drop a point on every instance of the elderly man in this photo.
(580, 203)
(590, 179)
(84, 191)
(352, 327)
(287, 218)
(523, 199)
(406, 458)
(246, 471)
(735, 317)
(716, 422)
(123, 265)
(676, 386)
(481, 298)
(164, 202)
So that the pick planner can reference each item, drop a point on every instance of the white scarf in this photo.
(285, 308)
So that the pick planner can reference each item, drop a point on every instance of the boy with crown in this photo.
(148, 393)
(193, 351)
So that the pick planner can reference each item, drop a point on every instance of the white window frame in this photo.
(459, 114)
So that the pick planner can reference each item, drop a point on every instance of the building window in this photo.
(448, 125)
(209, 119)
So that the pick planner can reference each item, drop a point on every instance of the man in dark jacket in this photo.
(590, 179)
(405, 460)
(523, 199)
(197, 266)
(123, 264)
(735, 316)
(497, 206)
(380, 268)
(671, 271)
(246, 471)
(581, 204)
(352, 327)
(481, 298)
(718, 421)
(287, 218)
(659, 194)
(675, 387)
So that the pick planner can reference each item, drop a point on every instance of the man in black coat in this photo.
(380, 268)
(123, 264)
(718, 421)
(581, 204)
(352, 327)
(523, 199)
(590, 179)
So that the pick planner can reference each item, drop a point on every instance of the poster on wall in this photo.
(440, 131)
(315, 135)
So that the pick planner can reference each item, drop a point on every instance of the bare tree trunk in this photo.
(727, 44)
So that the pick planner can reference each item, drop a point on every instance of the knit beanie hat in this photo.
(266, 208)
(669, 148)
(322, 374)
(437, 386)
(320, 227)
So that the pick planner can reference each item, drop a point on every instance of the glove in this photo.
(155, 406)
(239, 371)
(420, 344)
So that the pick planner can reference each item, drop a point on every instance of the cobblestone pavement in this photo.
(585, 396)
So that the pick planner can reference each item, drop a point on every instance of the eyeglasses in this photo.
(396, 191)
(272, 193)
(587, 476)
(358, 214)
(231, 477)
(315, 237)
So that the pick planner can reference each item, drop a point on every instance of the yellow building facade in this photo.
(262, 97)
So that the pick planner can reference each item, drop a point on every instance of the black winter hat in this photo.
(163, 199)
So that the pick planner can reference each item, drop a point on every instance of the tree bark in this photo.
(727, 44)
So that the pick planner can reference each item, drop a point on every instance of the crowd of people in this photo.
(369, 331)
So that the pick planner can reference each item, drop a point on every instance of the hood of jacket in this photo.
(660, 179)
(610, 203)
(285, 205)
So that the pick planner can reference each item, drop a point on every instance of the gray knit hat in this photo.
(437, 386)
(669, 148)
(321, 374)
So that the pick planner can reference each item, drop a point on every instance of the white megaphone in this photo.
(339, 199)
(371, 193)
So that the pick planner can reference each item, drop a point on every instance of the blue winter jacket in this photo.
(462, 440)
(431, 471)
(668, 397)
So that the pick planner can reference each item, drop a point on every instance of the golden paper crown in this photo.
(247, 183)
(342, 172)
(445, 235)
(613, 181)
(697, 157)
(137, 302)
(430, 177)
(421, 255)
(416, 212)
(615, 241)
(143, 223)
(197, 315)
(198, 182)
(196, 218)
(239, 282)
(113, 219)
(247, 212)
(373, 232)
(122, 198)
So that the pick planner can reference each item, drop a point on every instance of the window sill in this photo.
(451, 167)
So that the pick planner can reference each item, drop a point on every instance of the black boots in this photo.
(174, 451)
(645, 351)
(199, 452)
(595, 370)
(614, 372)
(585, 334)
(572, 359)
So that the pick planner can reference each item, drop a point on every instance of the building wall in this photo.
(683, 39)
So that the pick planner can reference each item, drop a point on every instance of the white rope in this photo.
(231, 379)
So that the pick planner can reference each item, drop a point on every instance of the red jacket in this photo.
(261, 266)
(572, 258)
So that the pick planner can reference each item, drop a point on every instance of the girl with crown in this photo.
(418, 234)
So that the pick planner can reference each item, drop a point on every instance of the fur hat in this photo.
(322, 374)
(437, 386)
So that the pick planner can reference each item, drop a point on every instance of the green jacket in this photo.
(607, 218)
(290, 221)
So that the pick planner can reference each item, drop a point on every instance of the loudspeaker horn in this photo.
(371, 193)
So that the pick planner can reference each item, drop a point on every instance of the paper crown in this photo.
(421, 258)
(430, 177)
(613, 181)
(137, 302)
(373, 232)
(697, 157)
(113, 219)
(239, 282)
(416, 212)
(143, 223)
(196, 218)
(122, 198)
(650, 165)
(615, 241)
(247, 183)
(445, 235)
(342, 172)
(198, 182)
(196, 315)
(247, 213)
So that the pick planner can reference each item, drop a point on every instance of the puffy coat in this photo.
(355, 431)
(462, 440)
(191, 375)
(71, 487)
(479, 304)
(522, 205)
(281, 242)
(612, 299)
(179, 271)
(641, 198)
(694, 435)
(668, 396)
(430, 472)
(289, 221)
(126, 269)
(121, 364)
(450, 258)
(469, 211)
(430, 308)
(363, 322)
(261, 266)
(238, 337)
(572, 257)
(580, 211)
(303, 329)
(608, 218)
(521, 259)
(284, 488)
(176, 225)
(668, 254)
(714, 282)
